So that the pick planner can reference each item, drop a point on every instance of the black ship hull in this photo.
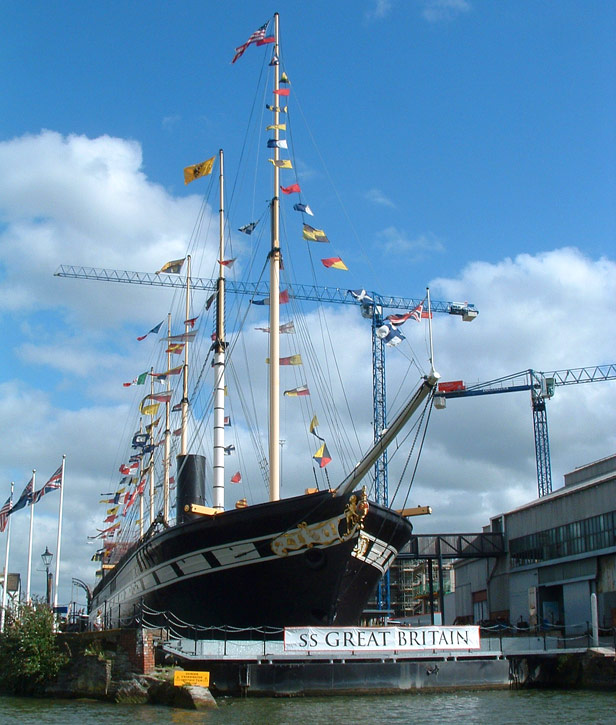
(306, 560)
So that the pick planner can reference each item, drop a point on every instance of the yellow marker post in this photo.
(188, 677)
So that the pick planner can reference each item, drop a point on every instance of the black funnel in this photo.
(190, 485)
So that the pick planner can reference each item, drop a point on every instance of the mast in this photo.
(184, 403)
(151, 461)
(274, 303)
(141, 472)
(219, 362)
(167, 453)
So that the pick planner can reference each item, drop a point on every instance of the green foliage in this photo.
(95, 649)
(29, 656)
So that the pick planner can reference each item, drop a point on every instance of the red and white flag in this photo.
(258, 35)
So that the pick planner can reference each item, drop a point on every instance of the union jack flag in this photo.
(54, 483)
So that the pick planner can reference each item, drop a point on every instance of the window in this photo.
(579, 537)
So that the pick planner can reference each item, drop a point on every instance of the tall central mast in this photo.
(219, 362)
(274, 302)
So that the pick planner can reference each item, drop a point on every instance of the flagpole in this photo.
(56, 581)
(6, 565)
(29, 570)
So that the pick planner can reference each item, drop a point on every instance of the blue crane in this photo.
(541, 386)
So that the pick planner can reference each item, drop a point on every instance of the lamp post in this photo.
(47, 556)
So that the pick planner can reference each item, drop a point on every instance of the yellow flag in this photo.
(277, 127)
(172, 267)
(194, 172)
(314, 423)
(112, 511)
(312, 234)
(281, 163)
(151, 409)
(291, 360)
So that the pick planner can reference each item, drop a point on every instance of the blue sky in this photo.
(462, 144)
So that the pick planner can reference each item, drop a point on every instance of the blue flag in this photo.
(303, 208)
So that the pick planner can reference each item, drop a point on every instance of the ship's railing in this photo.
(512, 639)
(177, 629)
(230, 641)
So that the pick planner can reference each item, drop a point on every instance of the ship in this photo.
(313, 559)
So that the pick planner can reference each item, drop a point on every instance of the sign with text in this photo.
(191, 677)
(380, 639)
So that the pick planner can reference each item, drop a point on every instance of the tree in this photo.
(29, 656)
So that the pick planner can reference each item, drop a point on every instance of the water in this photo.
(524, 707)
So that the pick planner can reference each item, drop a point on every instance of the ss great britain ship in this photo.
(311, 559)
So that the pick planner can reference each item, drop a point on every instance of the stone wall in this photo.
(131, 650)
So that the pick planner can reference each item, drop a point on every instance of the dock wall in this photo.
(327, 678)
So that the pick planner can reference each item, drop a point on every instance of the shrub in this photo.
(29, 656)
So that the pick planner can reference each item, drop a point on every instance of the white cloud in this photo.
(435, 11)
(376, 196)
(170, 122)
(82, 201)
(379, 10)
(396, 241)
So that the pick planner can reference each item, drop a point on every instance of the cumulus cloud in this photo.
(82, 201)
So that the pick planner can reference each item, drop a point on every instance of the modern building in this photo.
(559, 550)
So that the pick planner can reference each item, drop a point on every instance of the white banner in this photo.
(379, 639)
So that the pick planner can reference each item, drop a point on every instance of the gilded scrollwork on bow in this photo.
(306, 536)
(355, 512)
(324, 533)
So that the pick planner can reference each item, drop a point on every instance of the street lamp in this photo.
(47, 556)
